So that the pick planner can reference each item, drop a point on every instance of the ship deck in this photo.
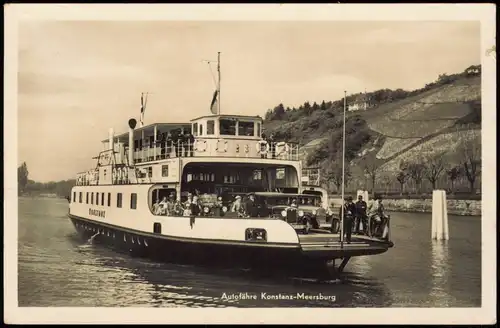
(321, 244)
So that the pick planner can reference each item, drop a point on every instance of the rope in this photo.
(212, 73)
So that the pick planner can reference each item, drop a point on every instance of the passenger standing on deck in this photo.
(251, 209)
(175, 143)
(349, 212)
(163, 206)
(156, 207)
(272, 146)
(187, 205)
(183, 143)
(195, 207)
(168, 150)
(218, 207)
(360, 214)
(170, 205)
(189, 143)
(178, 208)
(262, 154)
(376, 213)
(236, 207)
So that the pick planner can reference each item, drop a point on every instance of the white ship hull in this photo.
(205, 239)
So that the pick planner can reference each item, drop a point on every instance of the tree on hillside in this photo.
(434, 168)
(385, 180)
(403, 175)
(416, 171)
(307, 108)
(333, 173)
(22, 177)
(402, 178)
(453, 174)
(470, 157)
(279, 112)
(322, 106)
(370, 170)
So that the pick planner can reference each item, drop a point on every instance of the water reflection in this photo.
(193, 286)
(440, 271)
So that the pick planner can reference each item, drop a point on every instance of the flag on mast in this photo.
(143, 107)
(213, 105)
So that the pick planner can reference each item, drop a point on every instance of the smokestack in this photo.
(111, 139)
(131, 124)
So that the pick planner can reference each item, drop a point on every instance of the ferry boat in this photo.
(220, 158)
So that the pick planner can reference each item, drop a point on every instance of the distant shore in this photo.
(455, 206)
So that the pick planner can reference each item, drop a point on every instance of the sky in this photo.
(77, 79)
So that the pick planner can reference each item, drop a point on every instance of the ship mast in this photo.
(218, 83)
(343, 176)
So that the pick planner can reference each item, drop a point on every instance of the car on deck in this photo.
(302, 211)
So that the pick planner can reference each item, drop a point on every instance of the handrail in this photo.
(273, 150)
(206, 148)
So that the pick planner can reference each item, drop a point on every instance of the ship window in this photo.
(201, 130)
(164, 170)
(228, 127)
(258, 130)
(195, 129)
(210, 127)
(150, 172)
(280, 173)
(97, 198)
(109, 199)
(246, 129)
(133, 201)
(74, 196)
(119, 200)
(92, 198)
(80, 197)
(87, 198)
(102, 199)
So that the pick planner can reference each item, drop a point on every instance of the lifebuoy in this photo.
(197, 143)
(284, 148)
(259, 147)
(225, 145)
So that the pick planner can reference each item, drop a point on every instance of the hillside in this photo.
(398, 125)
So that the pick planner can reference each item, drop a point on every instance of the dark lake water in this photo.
(56, 268)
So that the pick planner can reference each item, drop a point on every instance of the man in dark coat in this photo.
(349, 212)
(361, 207)
(250, 207)
(175, 141)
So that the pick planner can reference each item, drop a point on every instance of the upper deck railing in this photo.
(219, 148)
(311, 176)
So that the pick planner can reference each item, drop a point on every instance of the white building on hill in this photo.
(361, 103)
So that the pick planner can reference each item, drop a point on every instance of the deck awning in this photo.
(149, 130)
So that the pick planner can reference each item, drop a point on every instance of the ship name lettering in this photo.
(99, 213)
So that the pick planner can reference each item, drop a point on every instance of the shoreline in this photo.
(461, 207)
(455, 207)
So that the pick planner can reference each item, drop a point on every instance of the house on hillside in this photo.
(360, 103)
(473, 70)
